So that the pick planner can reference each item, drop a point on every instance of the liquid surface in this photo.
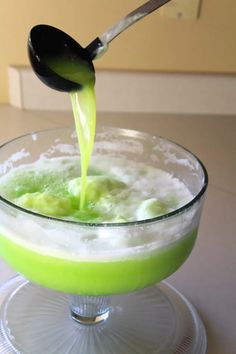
(118, 190)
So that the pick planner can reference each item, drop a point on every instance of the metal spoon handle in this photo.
(99, 45)
(130, 19)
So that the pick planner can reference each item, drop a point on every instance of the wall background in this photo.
(154, 44)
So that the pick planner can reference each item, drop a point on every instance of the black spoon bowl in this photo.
(47, 42)
(48, 45)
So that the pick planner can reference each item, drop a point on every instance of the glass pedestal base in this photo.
(35, 320)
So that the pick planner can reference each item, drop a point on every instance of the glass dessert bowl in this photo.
(107, 269)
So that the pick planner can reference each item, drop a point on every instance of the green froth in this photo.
(52, 187)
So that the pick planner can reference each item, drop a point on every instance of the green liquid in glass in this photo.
(98, 277)
(93, 277)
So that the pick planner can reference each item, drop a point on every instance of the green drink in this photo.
(89, 251)
(105, 277)
(109, 217)
(113, 225)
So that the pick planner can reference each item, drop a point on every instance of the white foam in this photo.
(87, 243)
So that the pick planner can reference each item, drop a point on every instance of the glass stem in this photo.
(89, 309)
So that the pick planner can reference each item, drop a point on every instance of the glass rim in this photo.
(112, 224)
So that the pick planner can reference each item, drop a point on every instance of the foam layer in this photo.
(129, 191)
(117, 190)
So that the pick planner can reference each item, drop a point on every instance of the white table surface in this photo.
(208, 277)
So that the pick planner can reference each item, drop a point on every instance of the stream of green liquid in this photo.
(84, 109)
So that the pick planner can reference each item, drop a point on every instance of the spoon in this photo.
(47, 44)
(100, 44)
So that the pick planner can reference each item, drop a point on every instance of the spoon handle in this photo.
(130, 19)
(99, 45)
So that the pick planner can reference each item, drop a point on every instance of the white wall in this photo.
(120, 91)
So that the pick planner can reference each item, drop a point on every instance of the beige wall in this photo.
(155, 44)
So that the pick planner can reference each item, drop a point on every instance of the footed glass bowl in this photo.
(90, 262)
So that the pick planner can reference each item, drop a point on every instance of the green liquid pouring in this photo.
(84, 109)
